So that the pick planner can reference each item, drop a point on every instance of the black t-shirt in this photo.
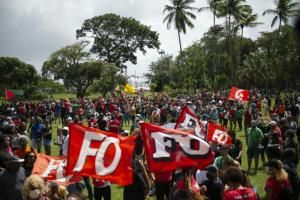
(11, 184)
(234, 151)
(214, 189)
(102, 124)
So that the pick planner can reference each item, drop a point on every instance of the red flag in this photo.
(169, 149)
(100, 154)
(53, 168)
(239, 94)
(188, 120)
(217, 133)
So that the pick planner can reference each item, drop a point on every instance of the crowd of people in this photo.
(268, 122)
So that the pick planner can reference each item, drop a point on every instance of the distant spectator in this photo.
(24, 148)
(114, 124)
(254, 139)
(5, 153)
(47, 137)
(37, 133)
(236, 150)
(29, 160)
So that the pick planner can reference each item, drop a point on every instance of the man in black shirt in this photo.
(12, 179)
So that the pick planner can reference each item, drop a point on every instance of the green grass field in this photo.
(257, 180)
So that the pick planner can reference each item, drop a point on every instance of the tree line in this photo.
(223, 56)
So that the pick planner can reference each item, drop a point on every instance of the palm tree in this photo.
(247, 19)
(283, 11)
(213, 7)
(231, 9)
(180, 13)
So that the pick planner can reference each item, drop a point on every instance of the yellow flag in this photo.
(129, 89)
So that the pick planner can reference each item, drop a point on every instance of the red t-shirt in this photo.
(276, 186)
(163, 176)
(240, 194)
(114, 122)
(281, 109)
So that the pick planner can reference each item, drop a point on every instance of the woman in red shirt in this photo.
(277, 181)
(234, 177)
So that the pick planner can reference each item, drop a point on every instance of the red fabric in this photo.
(240, 194)
(57, 172)
(278, 132)
(22, 110)
(281, 109)
(217, 133)
(187, 115)
(9, 95)
(239, 94)
(92, 122)
(121, 174)
(273, 184)
(112, 107)
(175, 149)
(258, 105)
(98, 182)
(163, 176)
(114, 122)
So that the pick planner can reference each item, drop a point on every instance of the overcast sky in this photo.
(32, 29)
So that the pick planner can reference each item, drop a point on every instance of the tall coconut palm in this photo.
(213, 7)
(180, 13)
(247, 19)
(283, 11)
(231, 9)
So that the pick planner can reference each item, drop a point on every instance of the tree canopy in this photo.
(16, 74)
(117, 39)
(74, 66)
(180, 13)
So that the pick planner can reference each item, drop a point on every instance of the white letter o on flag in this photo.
(99, 163)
